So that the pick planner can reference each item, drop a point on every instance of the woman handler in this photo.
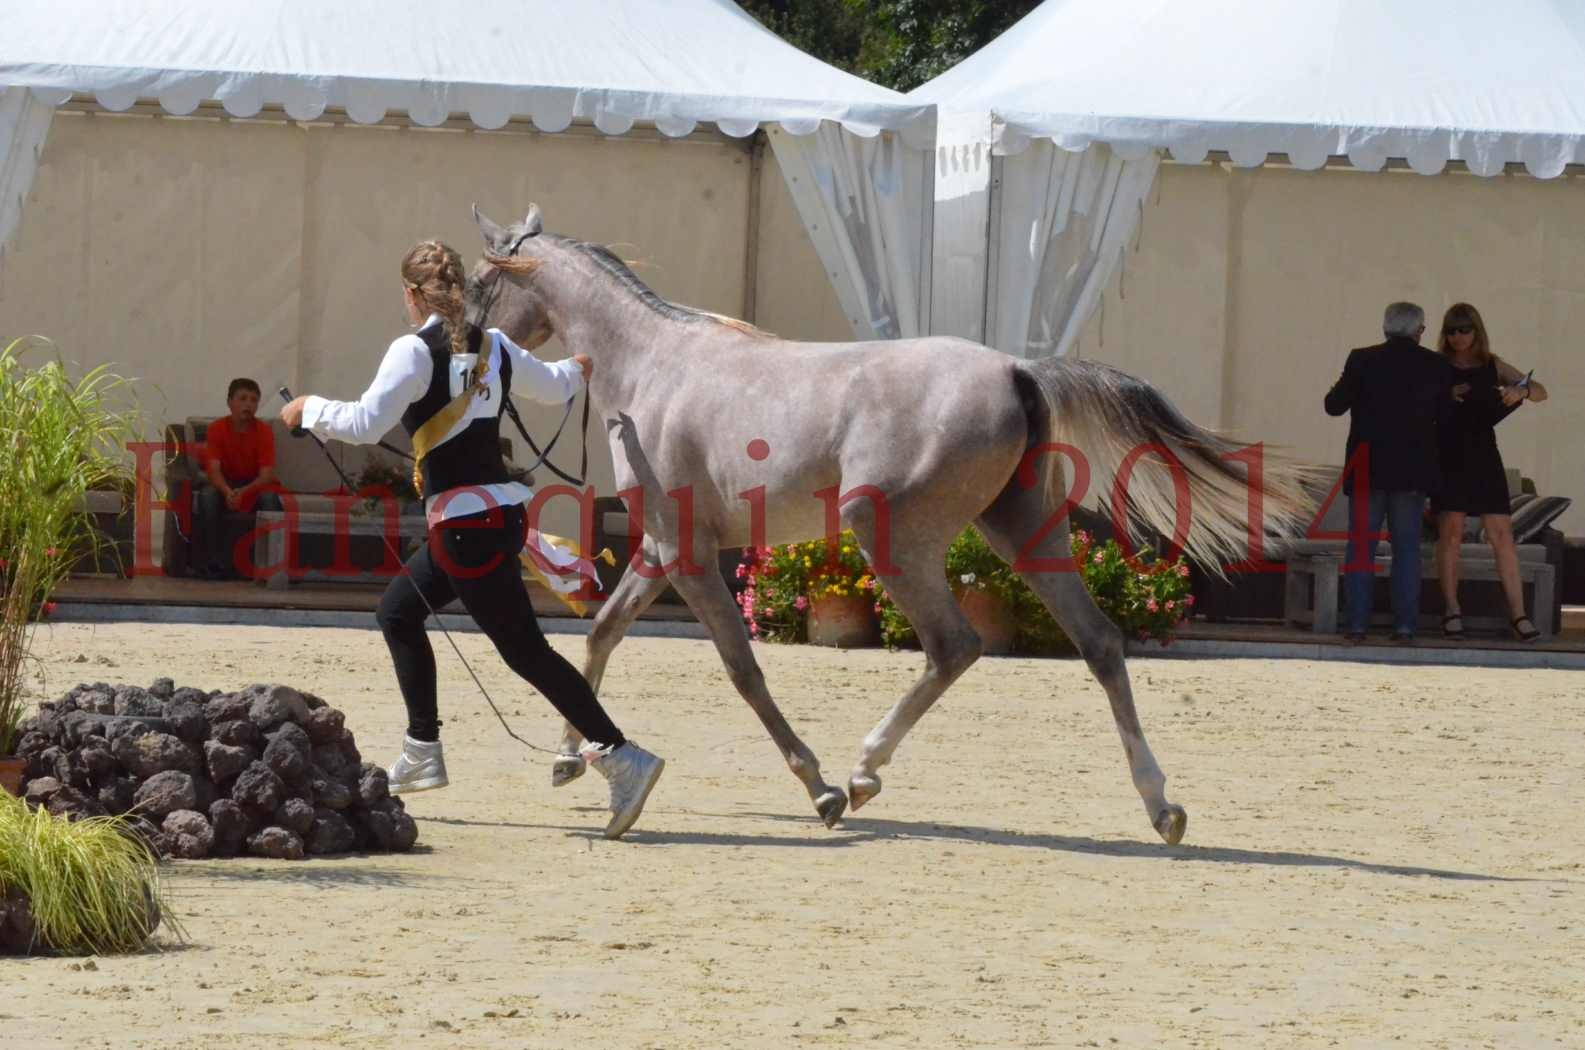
(446, 385)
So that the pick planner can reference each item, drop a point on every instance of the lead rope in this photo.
(299, 432)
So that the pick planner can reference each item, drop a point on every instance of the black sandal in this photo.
(1524, 636)
(1453, 634)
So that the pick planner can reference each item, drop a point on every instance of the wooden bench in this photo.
(1313, 581)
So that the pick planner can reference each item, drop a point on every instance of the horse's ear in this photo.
(495, 238)
(532, 222)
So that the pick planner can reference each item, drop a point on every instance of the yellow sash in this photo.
(436, 427)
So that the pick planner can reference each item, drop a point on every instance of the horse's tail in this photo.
(1120, 424)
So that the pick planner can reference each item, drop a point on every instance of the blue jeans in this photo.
(1403, 512)
(209, 508)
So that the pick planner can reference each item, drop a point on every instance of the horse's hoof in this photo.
(567, 769)
(862, 787)
(1170, 824)
(831, 805)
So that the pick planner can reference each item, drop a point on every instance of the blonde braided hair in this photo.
(433, 270)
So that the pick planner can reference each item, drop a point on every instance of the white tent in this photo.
(1083, 96)
(848, 147)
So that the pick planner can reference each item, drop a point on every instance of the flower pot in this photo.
(843, 621)
(11, 770)
(991, 617)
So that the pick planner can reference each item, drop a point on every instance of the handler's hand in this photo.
(1512, 395)
(1459, 391)
(292, 414)
(585, 364)
(234, 500)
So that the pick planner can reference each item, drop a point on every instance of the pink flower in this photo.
(742, 571)
(1100, 556)
(49, 552)
(1189, 600)
(1170, 605)
(1084, 537)
(1151, 605)
(753, 630)
(877, 608)
(1183, 570)
(800, 603)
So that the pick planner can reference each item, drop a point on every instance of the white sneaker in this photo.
(420, 767)
(631, 772)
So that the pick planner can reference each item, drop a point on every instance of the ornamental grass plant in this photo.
(59, 438)
(91, 886)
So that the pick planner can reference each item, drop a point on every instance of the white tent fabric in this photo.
(1425, 81)
(24, 123)
(1064, 223)
(612, 63)
(866, 203)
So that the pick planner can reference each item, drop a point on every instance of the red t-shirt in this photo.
(241, 455)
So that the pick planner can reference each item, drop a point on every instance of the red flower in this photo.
(49, 608)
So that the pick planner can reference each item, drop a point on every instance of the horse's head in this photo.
(502, 292)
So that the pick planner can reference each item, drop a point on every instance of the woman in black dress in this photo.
(1487, 389)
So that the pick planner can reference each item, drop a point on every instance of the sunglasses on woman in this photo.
(1463, 329)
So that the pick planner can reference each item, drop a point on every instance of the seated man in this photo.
(239, 462)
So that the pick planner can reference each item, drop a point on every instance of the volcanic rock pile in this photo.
(267, 771)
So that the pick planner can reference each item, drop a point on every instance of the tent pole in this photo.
(756, 173)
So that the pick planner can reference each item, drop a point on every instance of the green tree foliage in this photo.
(898, 43)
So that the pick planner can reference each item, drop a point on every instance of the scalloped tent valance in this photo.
(1422, 81)
(613, 63)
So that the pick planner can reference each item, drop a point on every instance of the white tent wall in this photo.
(1247, 287)
(960, 249)
(1025, 245)
(190, 250)
(866, 205)
(1059, 223)
(24, 124)
(794, 296)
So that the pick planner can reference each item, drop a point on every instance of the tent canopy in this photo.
(1425, 81)
(611, 62)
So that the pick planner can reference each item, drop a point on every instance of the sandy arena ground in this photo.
(1375, 856)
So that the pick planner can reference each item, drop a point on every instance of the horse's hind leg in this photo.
(633, 593)
(950, 644)
(707, 595)
(1007, 525)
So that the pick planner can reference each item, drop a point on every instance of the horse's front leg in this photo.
(634, 592)
(711, 601)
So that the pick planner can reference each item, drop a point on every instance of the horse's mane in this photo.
(604, 258)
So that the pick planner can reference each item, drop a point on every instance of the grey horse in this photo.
(713, 423)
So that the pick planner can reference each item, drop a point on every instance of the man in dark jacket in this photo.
(1396, 393)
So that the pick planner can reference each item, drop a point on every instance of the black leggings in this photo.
(474, 558)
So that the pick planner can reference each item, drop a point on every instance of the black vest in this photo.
(473, 456)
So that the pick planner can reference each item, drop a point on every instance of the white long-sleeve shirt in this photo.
(405, 374)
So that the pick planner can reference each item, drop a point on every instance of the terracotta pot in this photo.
(843, 622)
(991, 617)
(11, 770)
